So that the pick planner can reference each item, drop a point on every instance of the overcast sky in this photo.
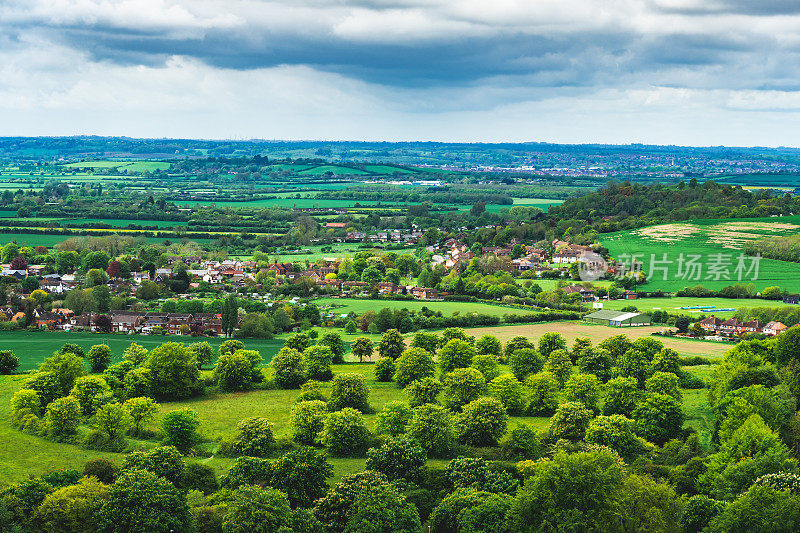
(694, 72)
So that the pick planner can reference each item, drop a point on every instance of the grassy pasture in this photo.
(336, 170)
(447, 308)
(33, 347)
(706, 238)
(573, 329)
(121, 223)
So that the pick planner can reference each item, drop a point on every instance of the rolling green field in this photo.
(33, 239)
(336, 170)
(707, 238)
(121, 223)
(447, 308)
(33, 347)
(130, 166)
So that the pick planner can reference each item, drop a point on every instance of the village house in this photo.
(773, 328)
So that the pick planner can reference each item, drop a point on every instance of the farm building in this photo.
(610, 317)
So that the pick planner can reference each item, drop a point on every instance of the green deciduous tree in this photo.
(290, 368)
(659, 418)
(141, 409)
(412, 365)
(180, 428)
(432, 427)
(254, 438)
(455, 354)
(362, 348)
(550, 342)
(543, 393)
(344, 433)
(173, 371)
(482, 422)
(392, 344)
(461, 386)
(307, 419)
(393, 419)
(398, 458)
(423, 391)
(349, 390)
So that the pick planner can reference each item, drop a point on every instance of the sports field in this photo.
(673, 305)
(707, 239)
(33, 347)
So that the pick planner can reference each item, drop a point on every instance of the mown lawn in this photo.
(347, 305)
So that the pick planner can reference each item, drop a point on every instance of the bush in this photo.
(362, 348)
(113, 420)
(333, 340)
(664, 383)
(289, 366)
(596, 361)
(65, 368)
(432, 426)
(302, 474)
(298, 341)
(413, 364)
(318, 360)
(311, 390)
(549, 342)
(138, 383)
(622, 396)
(393, 419)
(180, 428)
(483, 422)
(102, 469)
(444, 518)
(384, 370)
(349, 390)
(517, 343)
(569, 422)
(8, 362)
(510, 392)
(174, 372)
(525, 361)
(455, 354)
(141, 409)
(398, 458)
(69, 347)
(307, 419)
(233, 372)
(72, 507)
(424, 500)
(423, 391)
(62, 418)
(99, 357)
(560, 364)
(616, 432)
(164, 461)
(699, 512)
(46, 386)
(392, 344)
(521, 443)
(461, 386)
(200, 477)
(543, 393)
(248, 471)
(92, 392)
(659, 418)
(584, 388)
(26, 399)
(344, 433)
(487, 365)
(427, 341)
(255, 437)
(489, 345)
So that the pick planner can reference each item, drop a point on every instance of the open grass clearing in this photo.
(673, 305)
(348, 305)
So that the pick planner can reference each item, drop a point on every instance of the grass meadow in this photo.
(706, 238)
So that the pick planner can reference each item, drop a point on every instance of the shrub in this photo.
(8, 362)
(66, 368)
(91, 392)
(141, 502)
(455, 354)
(423, 391)
(543, 393)
(138, 383)
(667, 360)
(444, 519)
(72, 508)
(664, 383)
(475, 473)
(569, 422)
(457, 333)
(584, 388)
(302, 474)
(69, 347)
(349, 390)
(487, 365)
(659, 418)
(318, 361)
(136, 354)
(113, 420)
(333, 340)
(398, 458)
(231, 346)
(141, 409)
(62, 418)
(616, 432)
(461, 386)
(248, 471)
(550, 342)
(200, 477)
(560, 364)
(233, 372)
(426, 341)
(489, 345)
(26, 399)
(392, 344)
(102, 469)
(174, 372)
(384, 370)
(46, 386)
(521, 443)
(202, 351)
(255, 437)
(525, 361)
(509, 391)
(781, 481)
(432, 426)
(393, 419)
(413, 364)
(482, 422)
(344, 433)
(180, 428)
(164, 461)
(517, 343)
(289, 366)
(307, 420)
(99, 357)
(333, 509)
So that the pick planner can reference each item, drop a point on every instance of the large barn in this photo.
(609, 317)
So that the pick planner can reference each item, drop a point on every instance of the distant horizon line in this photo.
(417, 141)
